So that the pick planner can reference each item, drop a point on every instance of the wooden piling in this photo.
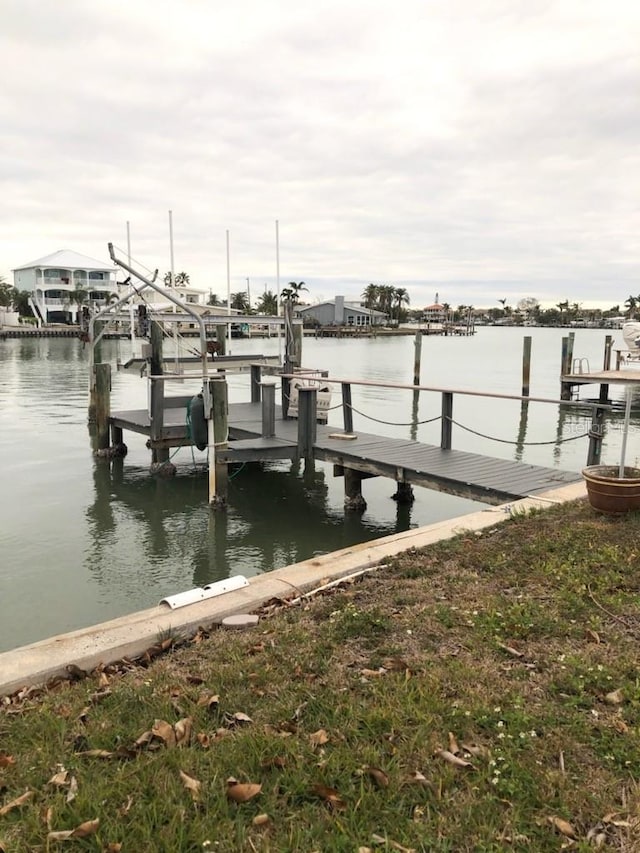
(417, 355)
(446, 424)
(596, 433)
(268, 409)
(606, 365)
(404, 493)
(289, 356)
(347, 410)
(159, 455)
(307, 420)
(353, 499)
(256, 380)
(221, 337)
(218, 440)
(526, 365)
(101, 403)
(566, 364)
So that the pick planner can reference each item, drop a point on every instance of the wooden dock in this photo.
(456, 472)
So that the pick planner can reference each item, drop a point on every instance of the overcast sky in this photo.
(481, 149)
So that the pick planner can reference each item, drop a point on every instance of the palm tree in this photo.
(503, 302)
(268, 303)
(401, 298)
(385, 299)
(630, 304)
(240, 301)
(6, 293)
(181, 279)
(291, 293)
(371, 295)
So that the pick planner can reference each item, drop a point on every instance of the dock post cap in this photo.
(200, 593)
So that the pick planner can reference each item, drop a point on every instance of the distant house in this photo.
(59, 282)
(436, 313)
(338, 312)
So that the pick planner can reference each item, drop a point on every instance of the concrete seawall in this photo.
(129, 636)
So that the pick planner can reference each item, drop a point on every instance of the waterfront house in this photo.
(61, 283)
(339, 312)
(436, 313)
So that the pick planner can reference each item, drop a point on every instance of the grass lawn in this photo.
(482, 694)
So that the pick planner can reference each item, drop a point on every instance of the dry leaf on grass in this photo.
(15, 804)
(183, 730)
(453, 744)
(192, 785)
(203, 739)
(113, 847)
(124, 809)
(379, 776)
(6, 760)
(242, 792)
(453, 759)
(210, 701)
(592, 636)
(163, 731)
(510, 650)
(620, 726)
(99, 695)
(261, 820)
(89, 827)
(395, 665)
(61, 778)
(73, 790)
(319, 738)
(373, 673)
(563, 826)
(616, 697)
(331, 797)
(477, 750)
(393, 845)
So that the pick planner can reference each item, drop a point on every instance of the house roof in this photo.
(66, 259)
(353, 306)
(435, 307)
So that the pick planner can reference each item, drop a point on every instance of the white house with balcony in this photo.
(61, 283)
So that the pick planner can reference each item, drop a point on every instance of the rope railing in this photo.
(521, 443)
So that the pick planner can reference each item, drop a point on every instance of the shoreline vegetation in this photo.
(478, 694)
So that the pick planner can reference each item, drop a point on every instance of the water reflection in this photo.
(162, 531)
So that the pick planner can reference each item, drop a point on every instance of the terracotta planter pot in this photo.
(610, 493)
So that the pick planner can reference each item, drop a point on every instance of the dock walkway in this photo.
(457, 472)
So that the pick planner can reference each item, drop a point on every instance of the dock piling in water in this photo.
(417, 357)
(101, 404)
(268, 409)
(307, 420)
(219, 418)
(526, 365)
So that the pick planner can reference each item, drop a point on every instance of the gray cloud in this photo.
(479, 148)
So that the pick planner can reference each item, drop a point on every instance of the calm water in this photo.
(81, 542)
